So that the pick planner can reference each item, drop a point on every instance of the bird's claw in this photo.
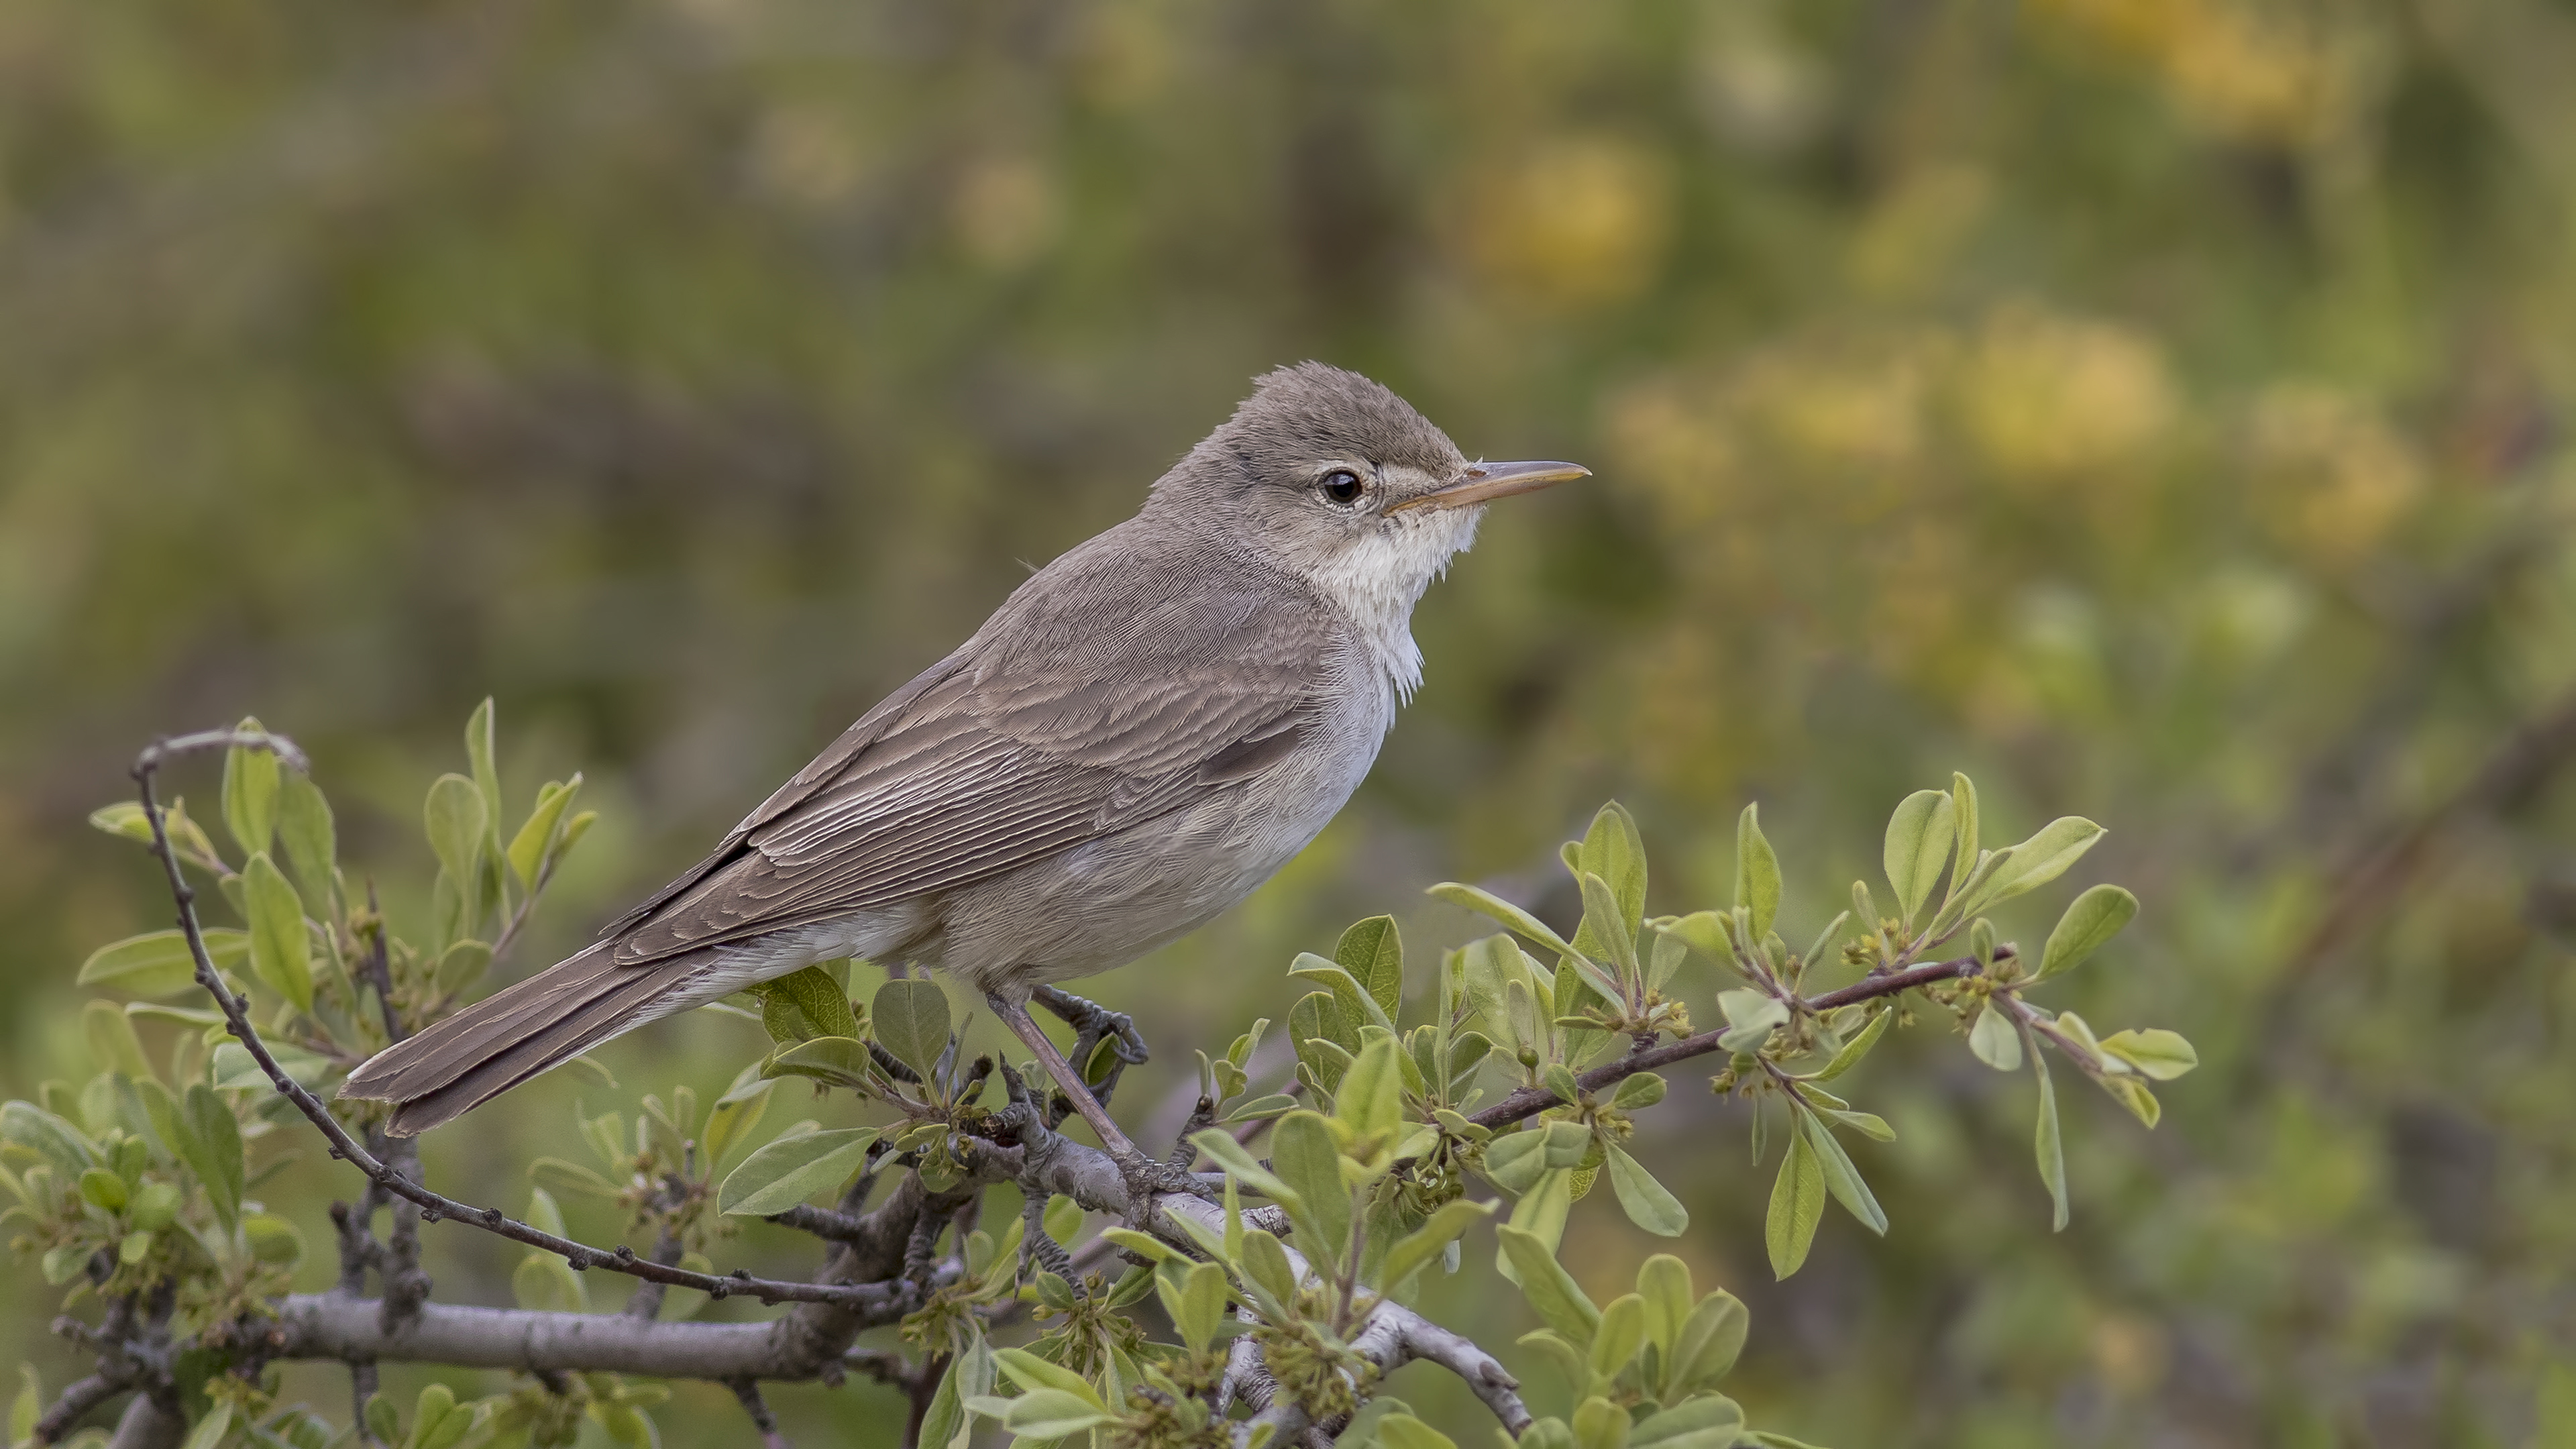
(1093, 1024)
(1145, 1179)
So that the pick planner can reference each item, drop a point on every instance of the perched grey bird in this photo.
(1145, 731)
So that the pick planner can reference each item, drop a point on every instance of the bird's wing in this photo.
(1073, 729)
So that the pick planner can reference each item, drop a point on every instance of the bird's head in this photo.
(1332, 477)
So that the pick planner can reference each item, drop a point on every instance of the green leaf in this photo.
(1613, 850)
(815, 1003)
(460, 966)
(212, 1429)
(1855, 1049)
(1963, 817)
(1842, 1179)
(1373, 953)
(311, 842)
(792, 1169)
(211, 1144)
(454, 820)
(970, 1376)
(1403, 1431)
(1753, 1014)
(2076, 1038)
(1648, 1203)
(1548, 1287)
(1238, 1161)
(1415, 1250)
(103, 1189)
(1621, 1332)
(1197, 1306)
(1604, 934)
(1324, 1042)
(281, 953)
(2046, 1144)
(1919, 837)
(1036, 1374)
(2092, 919)
(112, 1043)
(1052, 1414)
(556, 1172)
(487, 776)
(2133, 1094)
(735, 1113)
(1600, 1424)
(1664, 1285)
(2041, 859)
(2157, 1053)
(1371, 1096)
(1707, 1344)
(1268, 1105)
(1757, 871)
(1710, 1422)
(1357, 1007)
(528, 849)
(437, 1420)
(1671, 949)
(250, 793)
(1514, 1160)
(158, 964)
(1305, 1156)
(1638, 1092)
(1267, 1269)
(1996, 1041)
(911, 1017)
(1541, 1212)
(1519, 921)
(1707, 931)
(273, 1240)
(1570, 1360)
(1797, 1205)
(28, 1407)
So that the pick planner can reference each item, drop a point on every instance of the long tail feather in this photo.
(515, 1034)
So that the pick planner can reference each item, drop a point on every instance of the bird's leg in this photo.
(1143, 1175)
(1093, 1023)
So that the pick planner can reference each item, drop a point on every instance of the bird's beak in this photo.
(1486, 482)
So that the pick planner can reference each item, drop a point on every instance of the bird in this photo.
(1147, 729)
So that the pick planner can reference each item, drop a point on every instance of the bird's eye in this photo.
(1342, 486)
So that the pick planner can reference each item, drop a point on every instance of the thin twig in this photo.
(1530, 1101)
(78, 1398)
(433, 1205)
(362, 1387)
(380, 972)
(747, 1392)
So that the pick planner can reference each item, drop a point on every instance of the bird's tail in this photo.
(515, 1034)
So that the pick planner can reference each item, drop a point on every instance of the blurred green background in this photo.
(2149, 406)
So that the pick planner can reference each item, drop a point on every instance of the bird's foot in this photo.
(1094, 1024)
(1145, 1178)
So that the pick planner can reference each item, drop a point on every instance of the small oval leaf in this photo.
(792, 1169)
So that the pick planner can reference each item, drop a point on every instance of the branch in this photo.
(433, 1205)
(149, 1424)
(1530, 1101)
(78, 1398)
(334, 1326)
(1395, 1335)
